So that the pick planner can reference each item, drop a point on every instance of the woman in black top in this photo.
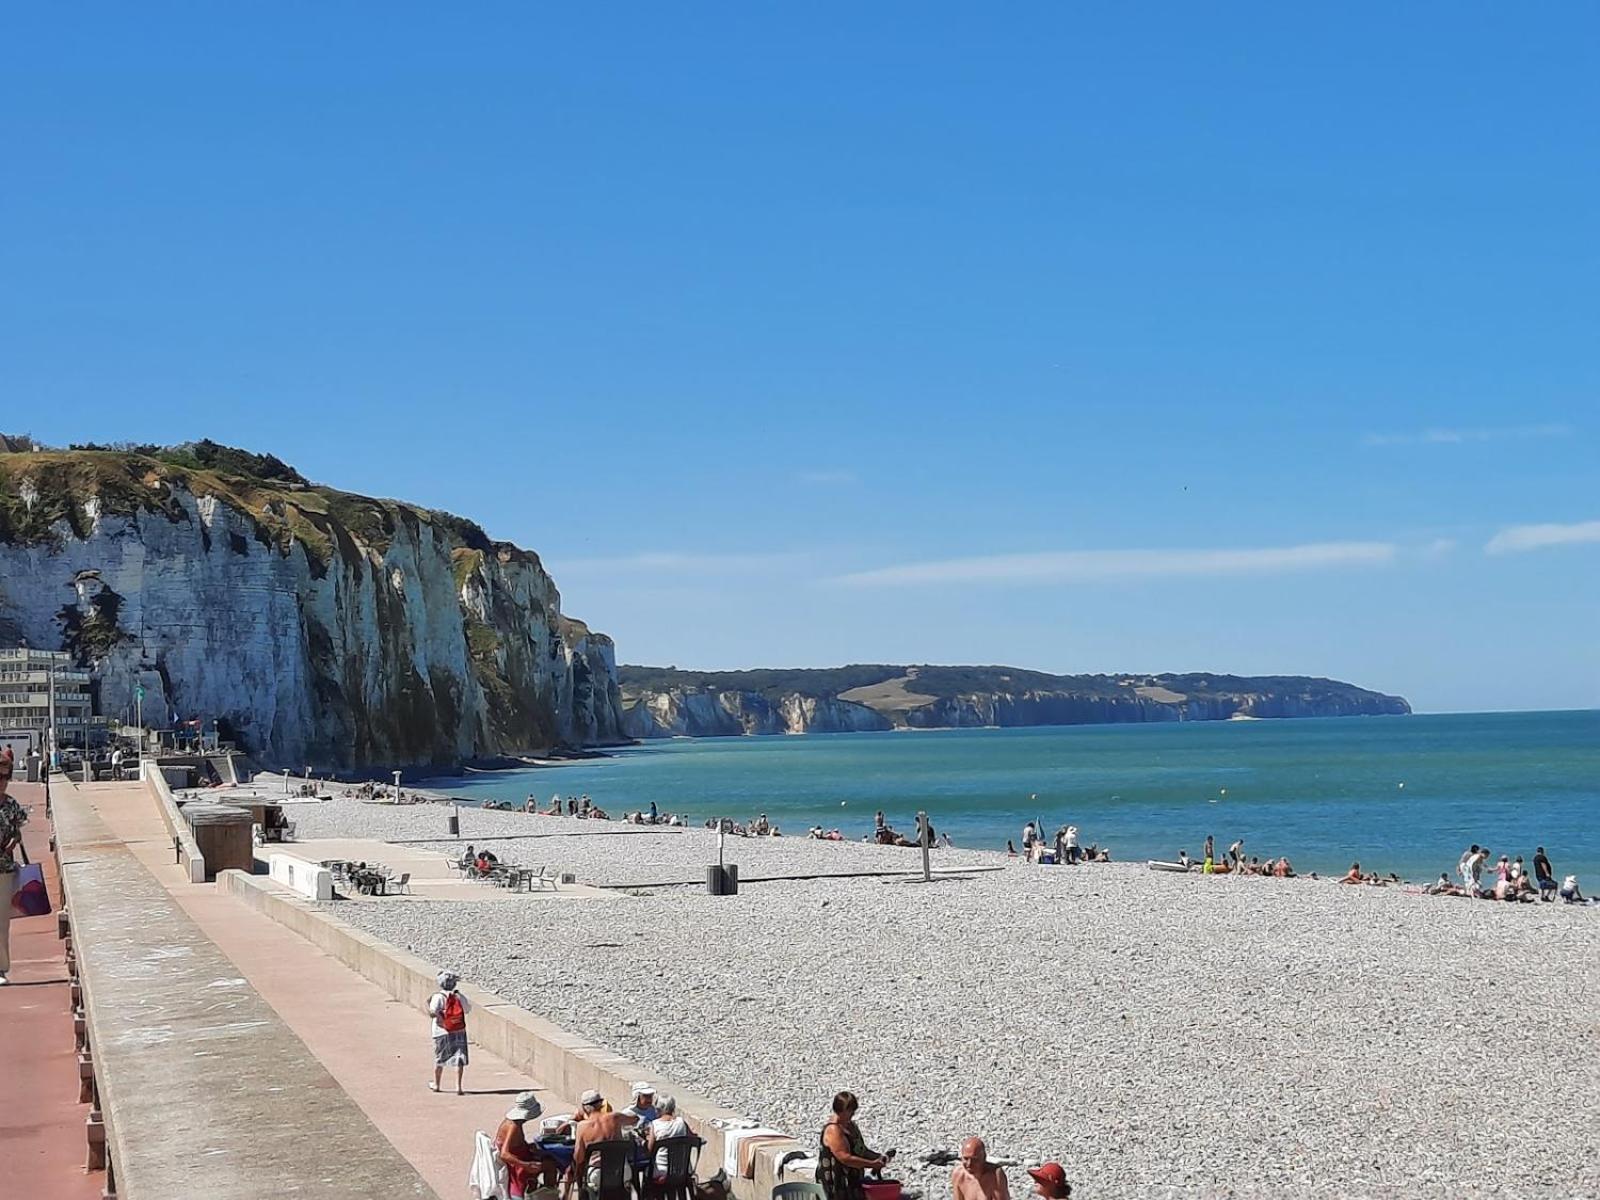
(844, 1154)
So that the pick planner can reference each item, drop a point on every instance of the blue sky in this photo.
(1168, 338)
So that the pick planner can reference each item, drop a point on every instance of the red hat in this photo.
(1051, 1174)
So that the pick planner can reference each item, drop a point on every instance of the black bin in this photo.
(723, 881)
(455, 824)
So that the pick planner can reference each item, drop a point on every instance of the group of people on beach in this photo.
(1233, 862)
(844, 1160)
(1065, 850)
(755, 827)
(585, 809)
(572, 806)
(1511, 879)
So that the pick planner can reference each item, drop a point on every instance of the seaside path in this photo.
(41, 1122)
(377, 1050)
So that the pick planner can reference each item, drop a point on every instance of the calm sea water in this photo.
(1404, 794)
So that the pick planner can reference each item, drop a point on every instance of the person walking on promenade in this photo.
(843, 1155)
(12, 819)
(975, 1177)
(448, 1009)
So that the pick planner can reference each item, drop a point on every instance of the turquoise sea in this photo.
(1403, 794)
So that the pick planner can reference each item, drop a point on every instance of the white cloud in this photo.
(1457, 437)
(667, 562)
(1438, 548)
(1083, 566)
(823, 478)
(1536, 537)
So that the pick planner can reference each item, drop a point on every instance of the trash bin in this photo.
(455, 824)
(723, 881)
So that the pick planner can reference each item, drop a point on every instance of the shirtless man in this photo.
(976, 1178)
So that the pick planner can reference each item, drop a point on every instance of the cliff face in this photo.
(663, 702)
(680, 713)
(321, 628)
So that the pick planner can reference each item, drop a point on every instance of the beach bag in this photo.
(30, 899)
(452, 1013)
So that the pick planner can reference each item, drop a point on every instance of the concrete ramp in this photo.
(206, 1092)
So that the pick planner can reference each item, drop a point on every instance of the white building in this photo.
(25, 677)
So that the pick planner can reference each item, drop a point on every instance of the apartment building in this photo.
(25, 677)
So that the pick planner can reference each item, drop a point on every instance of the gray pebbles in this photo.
(1158, 1034)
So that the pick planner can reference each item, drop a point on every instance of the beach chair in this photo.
(677, 1182)
(402, 886)
(799, 1189)
(616, 1171)
(542, 878)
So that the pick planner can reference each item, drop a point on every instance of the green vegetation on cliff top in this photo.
(42, 490)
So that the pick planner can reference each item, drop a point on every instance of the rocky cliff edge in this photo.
(317, 627)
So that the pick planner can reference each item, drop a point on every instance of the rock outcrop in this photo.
(316, 627)
(678, 712)
(664, 702)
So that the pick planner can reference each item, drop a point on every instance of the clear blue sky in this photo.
(1177, 337)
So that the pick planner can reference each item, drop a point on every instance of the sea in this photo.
(1402, 794)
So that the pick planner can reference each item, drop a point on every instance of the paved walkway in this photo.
(378, 1051)
(42, 1147)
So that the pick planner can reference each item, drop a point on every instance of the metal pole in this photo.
(138, 709)
(51, 700)
(922, 836)
(397, 787)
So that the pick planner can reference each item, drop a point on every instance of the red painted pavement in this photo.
(42, 1147)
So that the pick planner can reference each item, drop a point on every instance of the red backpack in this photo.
(452, 1014)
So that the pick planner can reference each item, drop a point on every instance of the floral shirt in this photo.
(12, 819)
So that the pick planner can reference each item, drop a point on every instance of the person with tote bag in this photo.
(12, 819)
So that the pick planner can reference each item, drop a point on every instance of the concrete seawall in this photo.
(189, 855)
(568, 1063)
(204, 1090)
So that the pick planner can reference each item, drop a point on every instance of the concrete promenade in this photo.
(377, 1052)
(42, 1146)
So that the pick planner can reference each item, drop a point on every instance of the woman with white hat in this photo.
(448, 1009)
(526, 1165)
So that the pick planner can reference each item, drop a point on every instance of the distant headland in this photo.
(668, 702)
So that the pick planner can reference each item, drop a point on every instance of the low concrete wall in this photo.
(188, 853)
(566, 1062)
(308, 879)
(174, 1031)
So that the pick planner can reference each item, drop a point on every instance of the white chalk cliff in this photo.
(320, 628)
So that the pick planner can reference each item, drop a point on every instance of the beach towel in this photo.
(487, 1179)
(732, 1139)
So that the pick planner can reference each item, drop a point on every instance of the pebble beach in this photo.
(1159, 1034)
